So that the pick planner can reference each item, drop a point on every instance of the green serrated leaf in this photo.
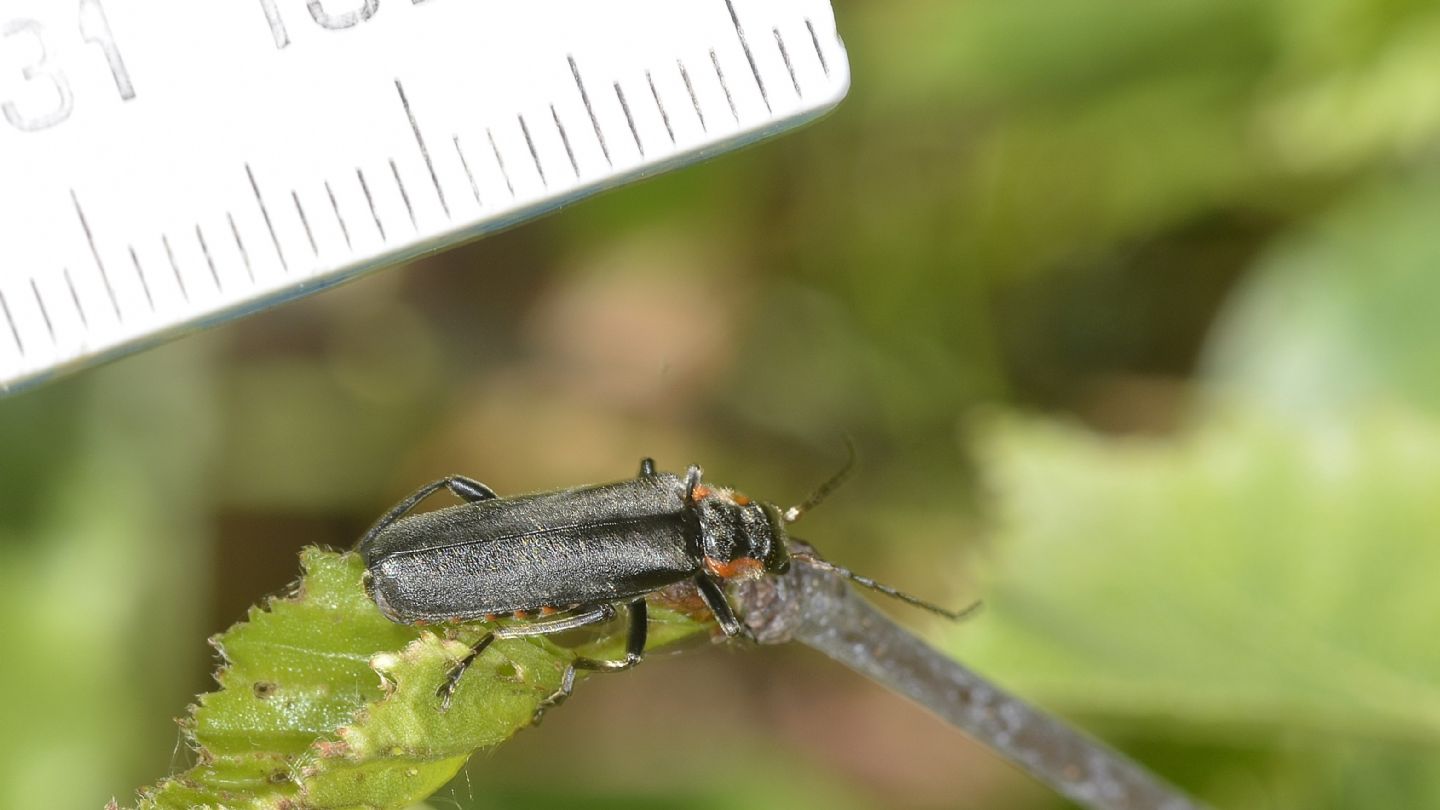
(325, 704)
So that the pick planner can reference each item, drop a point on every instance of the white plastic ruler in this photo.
(167, 164)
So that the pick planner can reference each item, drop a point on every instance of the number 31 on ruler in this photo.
(34, 93)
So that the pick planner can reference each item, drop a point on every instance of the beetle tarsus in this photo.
(452, 678)
(560, 695)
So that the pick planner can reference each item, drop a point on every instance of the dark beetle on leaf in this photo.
(565, 559)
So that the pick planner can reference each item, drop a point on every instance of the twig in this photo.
(818, 608)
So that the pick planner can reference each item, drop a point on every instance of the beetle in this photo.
(567, 558)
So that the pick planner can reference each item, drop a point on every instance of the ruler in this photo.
(168, 164)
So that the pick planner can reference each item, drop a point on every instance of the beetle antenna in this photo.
(794, 513)
(825, 565)
(692, 482)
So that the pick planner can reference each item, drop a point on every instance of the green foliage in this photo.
(97, 599)
(324, 703)
(1255, 585)
(1339, 318)
(1227, 580)
(1264, 580)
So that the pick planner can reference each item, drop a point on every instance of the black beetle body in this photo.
(569, 556)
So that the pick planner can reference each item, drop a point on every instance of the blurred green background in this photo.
(1131, 309)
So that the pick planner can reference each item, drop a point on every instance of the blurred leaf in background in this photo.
(103, 545)
(1264, 580)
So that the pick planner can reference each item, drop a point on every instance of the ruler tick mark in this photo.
(404, 195)
(316, 139)
(304, 220)
(44, 312)
(785, 54)
(664, 116)
(720, 74)
(369, 200)
(565, 139)
(175, 267)
(240, 246)
(209, 262)
(690, 87)
(75, 297)
(500, 160)
(14, 330)
(424, 150)
(469, 175)
(629, 119)
(749, 57)
(344, 231)
(814, 38)
(140, 273)
(265, 212)
(534, 155)
(594, 121)
(90, 238)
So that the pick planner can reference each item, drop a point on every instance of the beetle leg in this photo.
(647, 467)
(714, 598)
(595, 615)
(567, 688)
(452, 678)
(466, 489)
(634, 651)
(634, 642)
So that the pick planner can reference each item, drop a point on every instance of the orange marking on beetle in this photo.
(700, 491)
(521, 614)
(740, 568)
(740, 498)
(492, 617)
(549, 611)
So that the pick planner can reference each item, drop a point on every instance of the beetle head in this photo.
(740, 538)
